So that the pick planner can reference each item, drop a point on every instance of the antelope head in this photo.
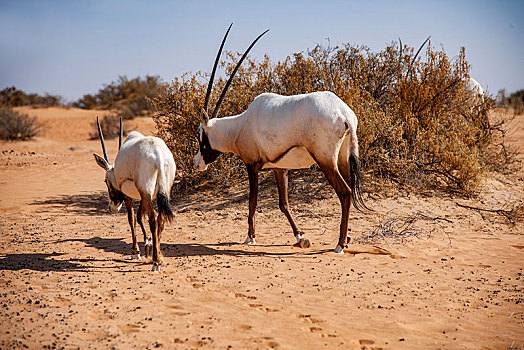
(116, 198)
(206, 154)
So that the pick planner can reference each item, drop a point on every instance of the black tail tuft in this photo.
(162, 202)
(356, 184)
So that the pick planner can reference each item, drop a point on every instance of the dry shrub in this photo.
(419, 125)
(11, 96)
(515, 101)
(17, 126)
(127, 96)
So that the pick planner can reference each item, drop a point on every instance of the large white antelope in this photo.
(144, 169)
(287, 132)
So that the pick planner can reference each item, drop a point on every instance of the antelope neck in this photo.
(223, 133)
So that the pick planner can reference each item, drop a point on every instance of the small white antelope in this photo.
(144, 169)
(476, 88)
(287, 132)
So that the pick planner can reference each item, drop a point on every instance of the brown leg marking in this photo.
(282, 176)
(344, 195)
(147, 240)
(344, 169)
(160, 223)
(148, 204)
(131, 218)
(252, 171)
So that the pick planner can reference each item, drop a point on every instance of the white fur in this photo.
(475, 86)
(250, 241)
(143, 164)
(285, 131)
(339, 250)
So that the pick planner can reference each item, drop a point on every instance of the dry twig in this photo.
(401, 230)
(513, 215)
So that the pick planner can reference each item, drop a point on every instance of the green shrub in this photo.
(16, 126)
(418, 123)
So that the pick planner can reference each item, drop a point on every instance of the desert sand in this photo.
(66, 281)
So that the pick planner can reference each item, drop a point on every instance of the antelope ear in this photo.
(101, 162)
(204, 117)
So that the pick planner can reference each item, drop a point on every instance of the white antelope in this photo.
(287, 132)
(144, 169)
(476, 88)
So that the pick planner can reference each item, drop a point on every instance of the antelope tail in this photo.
(162, 197)
(356, 183)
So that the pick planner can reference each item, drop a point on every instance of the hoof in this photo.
(303, 243)
(339, 250)
(156, 267)
(250, 241)
(136, 257)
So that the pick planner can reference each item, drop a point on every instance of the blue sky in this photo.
(71, 48)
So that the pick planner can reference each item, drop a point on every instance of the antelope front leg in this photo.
(132, 223)
(282, 176)
(252, 171)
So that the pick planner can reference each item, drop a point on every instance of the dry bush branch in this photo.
(401, 230)
(513, 215)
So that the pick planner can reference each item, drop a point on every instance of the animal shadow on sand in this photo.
(183, 250)
(303, 187)
(119, 246)
(41, 262)
(78, 204)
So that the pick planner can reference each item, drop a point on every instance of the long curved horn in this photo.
(102, 140)
(410, 68)
(120, 135)
(420, 48)
(215, 111)
(210, 84)
(400, 49)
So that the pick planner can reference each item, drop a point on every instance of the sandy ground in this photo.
(66, 282)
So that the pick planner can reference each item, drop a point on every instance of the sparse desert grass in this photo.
(419, 126)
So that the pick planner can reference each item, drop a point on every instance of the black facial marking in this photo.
(208, 153)
(115, 195)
